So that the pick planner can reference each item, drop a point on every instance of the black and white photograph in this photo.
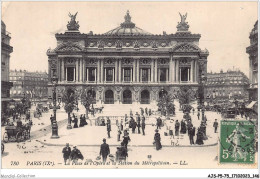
(129, 85)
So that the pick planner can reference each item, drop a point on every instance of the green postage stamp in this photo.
(237, 142)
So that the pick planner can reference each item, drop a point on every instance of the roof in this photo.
(127, 28)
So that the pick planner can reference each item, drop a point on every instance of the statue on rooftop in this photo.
(72, 24)
(183, 26)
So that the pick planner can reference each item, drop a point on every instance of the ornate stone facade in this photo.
(127, 64)
(252, 50)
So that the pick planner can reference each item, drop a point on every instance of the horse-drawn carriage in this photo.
(18, 134)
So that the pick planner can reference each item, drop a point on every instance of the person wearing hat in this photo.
(138, 119)
(121, 153)
(177, 127)
(143, 125)
(215, 125)
(157, 140)
(126, 138)
(66, 153)
(108, 128)
(104, 150)
(75, 155)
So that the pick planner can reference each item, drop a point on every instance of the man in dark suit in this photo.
(191, 133)
(104, 150)
(66, 153)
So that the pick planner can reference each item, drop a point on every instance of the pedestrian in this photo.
(134, 124)
(146, 111)
(126, 138)
(19, 123)
(51, 118)
(183, 127)
(191, 134)
(131, 122)
(121, 153)
(143, 126)
(198, 115)
(177, 127)
(193, 110)
(215, 125)
(121, 125)
(157, 140)
(138, 123)
(84, 119)
(142, 111)
(108, 129)
(81, 121)
(118, 133)
(158, 123)
(75, 121)
(66, 153)
(126, 119)
(75, 155)
(199, 139)
(104, 150)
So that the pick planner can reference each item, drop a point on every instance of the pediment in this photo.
(185, 47)
(69, 47)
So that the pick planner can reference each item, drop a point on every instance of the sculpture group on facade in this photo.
(72, 24)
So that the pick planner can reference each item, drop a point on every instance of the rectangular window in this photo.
(145, 74)
(92, 74)
(127, 74)
(109, 74)
(163, 74)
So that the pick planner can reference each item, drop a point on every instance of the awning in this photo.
(250, 106)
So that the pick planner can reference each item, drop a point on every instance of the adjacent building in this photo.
(227, 85)
(126, 64)
(31, 84)
(6, 50)
(252, 50)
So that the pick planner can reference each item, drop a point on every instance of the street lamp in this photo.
(55, 135)
(92, 101)
(202, 83)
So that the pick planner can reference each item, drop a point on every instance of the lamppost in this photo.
(203, 80)
(92, 100)
(55, 135)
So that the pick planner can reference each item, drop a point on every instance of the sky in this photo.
(224, 27)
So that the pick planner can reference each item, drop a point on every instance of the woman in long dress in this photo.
(183, 127)
(199, 140)
(157, 139)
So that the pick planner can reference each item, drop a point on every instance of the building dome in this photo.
(127, 28)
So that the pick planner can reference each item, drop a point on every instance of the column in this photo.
(141, 72)
(95, 74)
(98, 70)
(102, 70)
(66, 73)
(120, 71)
(62, 69)
(192, 71)
(87, 74)
(155, 71)
(170, 68)
(83, 70)
(180, 74)
(173, 72)
(131, 75)
(116, 70)
(123, 79)
(105, 74)
(149, 74)
(188, 74)
(159, 74)
(152, 70)
(167, 75)
(195, 71)
(80, 68)
(74, 72)
(177, 70)
(113, 74)
(134, 66)
(77, 70)
(137, 71)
